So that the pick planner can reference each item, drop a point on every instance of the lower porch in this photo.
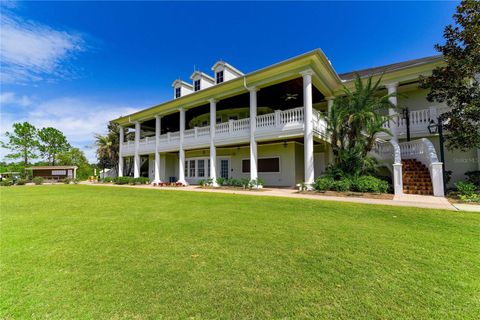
(280, 163)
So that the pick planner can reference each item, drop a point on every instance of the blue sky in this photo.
(76, 65)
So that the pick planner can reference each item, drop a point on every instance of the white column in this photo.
(308, 134)
(397, 179)
(392, 89)
(329, 104)
(436, 173)
(181, 152)
(157, 147)
(136, 157)
(329, 111)
(253, 126)
(213, 149)
(120, 151)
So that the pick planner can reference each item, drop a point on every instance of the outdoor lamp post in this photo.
(435, 128)
(406, 117)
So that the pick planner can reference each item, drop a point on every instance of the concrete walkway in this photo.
(417, 201)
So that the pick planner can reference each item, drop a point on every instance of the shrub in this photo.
(141, 180)
(245, 183)
(6, 183)
(107, 179)
(221, 181)
(342, 185)
(76, 181)
(323, 184)
(233, 182)
(467, 191)
(205, 182)
(370, 184)
(38, 180)
(473, 177)
(122, 180)
(21, 182)
(67, 180)
(465, 188)
(256, 183)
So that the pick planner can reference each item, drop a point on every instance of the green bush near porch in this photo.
(97, 252)
(357, 184)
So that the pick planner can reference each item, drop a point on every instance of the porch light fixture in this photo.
(432, 127)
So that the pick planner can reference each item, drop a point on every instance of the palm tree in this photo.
(353, 123)
(108, 147)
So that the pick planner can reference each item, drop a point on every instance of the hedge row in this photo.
(357, 184)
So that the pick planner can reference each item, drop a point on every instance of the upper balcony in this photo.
(419, 121)
(277, 125)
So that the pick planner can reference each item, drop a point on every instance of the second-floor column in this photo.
(158, 128)
(392, 112)
(136, 157)
(120, 151)
(329, 104)
(253, 127)
(308, 127)
(213, 149)
(329, 112)
(181, 152)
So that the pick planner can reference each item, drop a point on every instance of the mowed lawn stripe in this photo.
(99, 252)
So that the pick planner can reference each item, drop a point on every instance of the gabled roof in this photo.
(229, 66)
(389, 68)
(203, 75)
(181, 82)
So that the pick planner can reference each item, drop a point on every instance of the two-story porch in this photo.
(182, 145)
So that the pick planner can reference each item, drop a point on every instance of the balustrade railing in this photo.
(221, 128)
(203, 131)
(419, 119)
(266, 120)
(292, 116)
(279, 120)
(240, 125)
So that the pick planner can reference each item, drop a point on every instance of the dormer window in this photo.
(178, 92)
(219, 77)
(196, 85)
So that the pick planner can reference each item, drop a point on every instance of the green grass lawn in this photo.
(121, 253)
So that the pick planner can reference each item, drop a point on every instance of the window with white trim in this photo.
(59, 172)
(178, 92)
(219, 76)
(192, 168)
(196, 85)
(201, 167)
(265, 165)
(195, 168)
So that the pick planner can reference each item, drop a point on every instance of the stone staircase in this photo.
(416, 178)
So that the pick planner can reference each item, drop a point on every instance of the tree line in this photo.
(27, 143)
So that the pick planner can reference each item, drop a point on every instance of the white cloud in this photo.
(79, 119)
(12, 98)
(30, 51)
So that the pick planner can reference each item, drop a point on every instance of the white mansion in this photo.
(269, 124)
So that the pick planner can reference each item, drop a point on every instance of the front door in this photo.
(224, 168)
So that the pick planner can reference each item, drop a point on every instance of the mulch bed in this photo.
(232, 188)
(384, 196)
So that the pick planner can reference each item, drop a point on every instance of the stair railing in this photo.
(389, 152)
(424, 151)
